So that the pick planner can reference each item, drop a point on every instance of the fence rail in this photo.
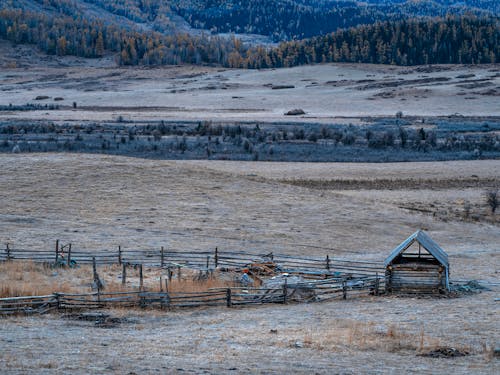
(324, 278)
(236, 296)
(200, 260)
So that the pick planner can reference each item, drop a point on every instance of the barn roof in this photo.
(427, 243)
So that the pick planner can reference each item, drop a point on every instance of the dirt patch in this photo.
(406, 82)
(490, 92)
(396, 184)
(282, 87)
(475, 84)
(445, 352)
(99, 319)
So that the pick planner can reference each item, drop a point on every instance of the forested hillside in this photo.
(148, 32)
(76, 36)
(298, 19)
(452, 40)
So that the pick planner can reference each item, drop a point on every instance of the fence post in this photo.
(124, 273)
(376, 284)
(216, 257)
(58, 300)
(179, 272)
(161, 291)
(327, 262)
(285, 291)
(208, 262)
(169, 271)
(142, 300)
(119, 254)
(7, 250)
(141, 279)
(94, 270)
(344, 289)
(228, 297)
(69, 255)
(162, 261)
(166, 284)
(167, 297)
(57, 250)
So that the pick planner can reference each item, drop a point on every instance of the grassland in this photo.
(99, 202)
(346, 210)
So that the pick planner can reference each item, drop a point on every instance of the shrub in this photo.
(403, 137)
(157, 135)
(312, 137)
(493, 200)
(349, 138)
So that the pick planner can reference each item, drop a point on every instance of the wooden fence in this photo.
(316, 290)
(202, 260)
(324, 278)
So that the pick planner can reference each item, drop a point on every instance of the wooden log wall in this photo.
(416, 277)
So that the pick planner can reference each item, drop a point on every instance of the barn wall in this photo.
(415, 277)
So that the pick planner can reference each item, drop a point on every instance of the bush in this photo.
(295, 112)
(157, 135)
(312, 137)
(493, 200)
(349, 138)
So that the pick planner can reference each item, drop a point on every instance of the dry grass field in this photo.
(346, 210)
(100, 202)
(338, 93)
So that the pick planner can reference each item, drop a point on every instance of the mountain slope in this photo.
(151, 32)
(297, 19)
(279, 19)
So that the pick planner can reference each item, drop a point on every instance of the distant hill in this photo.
(279, 19)
(450, 40)
(298, 19)
(152, 32)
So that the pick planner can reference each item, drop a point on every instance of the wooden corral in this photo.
(417, 265)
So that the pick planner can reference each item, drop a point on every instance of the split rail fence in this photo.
(324, 279)
(200, 260)
(313, 291)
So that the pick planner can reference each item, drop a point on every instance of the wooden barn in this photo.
(417, 265)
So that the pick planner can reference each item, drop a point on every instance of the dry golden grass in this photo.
(26, 278)
(194, 286)
(30, 279)
(345, 334)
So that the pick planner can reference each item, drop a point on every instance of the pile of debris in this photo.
(297, 289)
(472, 286)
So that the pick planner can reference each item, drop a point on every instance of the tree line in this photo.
(76, 36)
(449, 40)
(453, 39)
(299, 19)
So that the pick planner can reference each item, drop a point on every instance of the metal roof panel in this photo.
(427, 242)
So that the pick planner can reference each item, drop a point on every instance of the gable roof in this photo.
(423, 239)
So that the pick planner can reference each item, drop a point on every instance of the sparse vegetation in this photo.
(199, 205)
(29, 107)
(374, 142)
(27, 278)
(493, 200)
